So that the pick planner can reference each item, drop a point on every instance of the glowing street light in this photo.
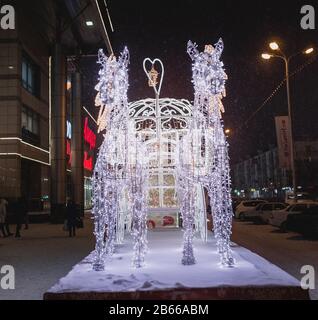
(274, 46)
(227, 131)
(309, 50)
(266, 56)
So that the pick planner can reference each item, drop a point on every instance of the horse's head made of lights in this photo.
(112, 86)
(208, 74)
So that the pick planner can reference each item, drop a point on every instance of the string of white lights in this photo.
(120, 173)
(277, 88)
(203, 155)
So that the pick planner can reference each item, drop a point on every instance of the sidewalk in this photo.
(41, 256)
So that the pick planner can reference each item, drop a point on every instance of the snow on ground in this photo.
(164, 269)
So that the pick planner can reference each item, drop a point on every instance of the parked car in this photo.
(235, 202)
(246, 205)
(263, 212)
(305, 223)
(302, 197)
(278, 218)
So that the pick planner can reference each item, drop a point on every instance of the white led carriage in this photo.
(160, 154)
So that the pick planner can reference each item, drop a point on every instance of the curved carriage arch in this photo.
(162, 128)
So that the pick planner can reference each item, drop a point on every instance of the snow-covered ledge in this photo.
(164, 277)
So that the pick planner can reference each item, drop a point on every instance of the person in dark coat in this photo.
(71, 217)
(21, 212)
(7, 223)
(26, 214)
(3, 216)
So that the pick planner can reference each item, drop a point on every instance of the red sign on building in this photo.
(89, 139)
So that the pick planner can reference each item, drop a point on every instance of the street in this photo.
(290, 251)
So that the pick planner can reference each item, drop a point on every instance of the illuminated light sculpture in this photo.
(203, 153)
(119, 173)
(161, 136)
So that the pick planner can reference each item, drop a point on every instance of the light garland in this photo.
(120, 172)
(203, 153)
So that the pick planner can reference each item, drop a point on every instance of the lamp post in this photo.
(275, 47)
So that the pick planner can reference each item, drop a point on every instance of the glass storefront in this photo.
(87, 193)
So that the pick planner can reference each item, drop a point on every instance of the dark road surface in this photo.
(289, 251)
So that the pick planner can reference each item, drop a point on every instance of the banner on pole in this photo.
(283, 134)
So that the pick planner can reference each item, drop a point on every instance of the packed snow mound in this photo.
(164, 270)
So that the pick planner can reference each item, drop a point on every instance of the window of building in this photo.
(29, 121)
(30, 75)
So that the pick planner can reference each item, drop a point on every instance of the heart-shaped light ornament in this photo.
(152, 63)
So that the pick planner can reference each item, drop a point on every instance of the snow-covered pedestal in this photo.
(164, 277)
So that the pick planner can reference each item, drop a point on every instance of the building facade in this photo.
(47, 138)
(261, 176)
(24, 115)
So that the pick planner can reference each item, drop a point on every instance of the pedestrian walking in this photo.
(71, 217)
(25, 213)
(3, 216)
(7, 219)
(21, 212)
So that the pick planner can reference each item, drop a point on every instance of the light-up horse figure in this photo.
(119, 174)
(203, 153)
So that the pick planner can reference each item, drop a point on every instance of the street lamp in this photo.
(266, 56)
(275, 47)
(309, 50)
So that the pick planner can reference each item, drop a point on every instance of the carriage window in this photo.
(153, 198)
(162, 200)
(168, 180)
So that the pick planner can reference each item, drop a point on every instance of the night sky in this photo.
(162, 28)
